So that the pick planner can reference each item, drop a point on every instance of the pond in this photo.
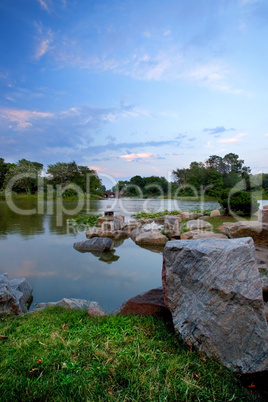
(39, 246)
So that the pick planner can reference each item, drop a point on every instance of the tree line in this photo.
(26, 177)
(214, 178)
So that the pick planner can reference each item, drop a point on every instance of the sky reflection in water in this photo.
(36, 248)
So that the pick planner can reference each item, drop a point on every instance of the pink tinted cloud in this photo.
(132, 157)
(21, 118)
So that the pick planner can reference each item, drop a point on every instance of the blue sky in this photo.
(136, 86)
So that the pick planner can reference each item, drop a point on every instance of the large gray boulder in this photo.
(95, 244)
(214, 292)
(15, 295)
(257, 230)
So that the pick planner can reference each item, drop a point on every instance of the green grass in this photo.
(61, 355)
(34, 197)
(152, 215)
(87, 220)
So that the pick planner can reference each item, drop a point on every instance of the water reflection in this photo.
(106, 256)
(56, 270)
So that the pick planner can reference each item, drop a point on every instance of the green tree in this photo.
(4, 169)
(63, 173)
(23, 176)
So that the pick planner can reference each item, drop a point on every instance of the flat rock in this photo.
(95, 244)
(257, 230)
(214, 292)
(15, 295)
(74, 304)
(198, 224)
(154, 238)
(149, 303)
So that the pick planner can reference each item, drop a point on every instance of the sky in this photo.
(134, 87)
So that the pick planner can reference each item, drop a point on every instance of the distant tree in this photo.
(4, 169)
(214, 175)
(25, 176)
(63, 173)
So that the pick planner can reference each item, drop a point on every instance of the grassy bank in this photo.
(58, 354)
(34, 197)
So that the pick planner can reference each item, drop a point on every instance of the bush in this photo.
(242, 203)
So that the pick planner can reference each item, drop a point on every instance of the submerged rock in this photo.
(15, 295)
(214, 292)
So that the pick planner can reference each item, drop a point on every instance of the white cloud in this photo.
(44, 5)
(213, 75)
(147, 34)
(167, 32)
(233, 139)
(44, 41)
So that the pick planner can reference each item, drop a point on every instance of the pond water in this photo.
(39, 246)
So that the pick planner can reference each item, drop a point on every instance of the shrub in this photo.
(242, 203)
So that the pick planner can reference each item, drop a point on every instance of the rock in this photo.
(257, 230)
(266, 310)
(172, 225)
(159, 220)
(144, 221)
(114, 234)
(95, 244)
(202, 234)
(190, 215)
(149, 303)
(263, 270)
(136, 232)
(198, 224)
(15, 295)
(74, 304)
(152, 226)
(263, 215)
(185, 215)
(214, 292)
(120, 217)
(215, 213)
(95, 309)
(131, 226)
(190, 234)
(153, 238)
